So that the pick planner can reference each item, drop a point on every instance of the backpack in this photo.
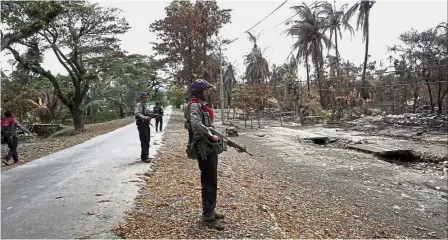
(6, 129)
(6, 125)
(192, 148)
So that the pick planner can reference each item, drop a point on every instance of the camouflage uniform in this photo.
(207, 160)
(144, 131)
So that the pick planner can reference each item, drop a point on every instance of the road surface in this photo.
(80, 192)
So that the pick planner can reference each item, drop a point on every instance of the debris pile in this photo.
(417, 119)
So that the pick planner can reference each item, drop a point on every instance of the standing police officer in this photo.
(143, 121)
(200, 117)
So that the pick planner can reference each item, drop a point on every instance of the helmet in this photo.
(143, 95)
(199, 84)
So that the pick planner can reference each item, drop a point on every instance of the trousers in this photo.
(159, 121)
(144, 132)
(209, 183)
(12, 142)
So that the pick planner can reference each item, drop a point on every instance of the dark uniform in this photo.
(198, 116)
(142, 120)
(159, 120)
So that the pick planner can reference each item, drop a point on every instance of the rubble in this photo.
(417, 119)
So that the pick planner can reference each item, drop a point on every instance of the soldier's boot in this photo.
(146, 159)
(219, 215)
(210, 221)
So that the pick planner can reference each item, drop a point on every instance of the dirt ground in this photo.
(34, 148)
(291, 188)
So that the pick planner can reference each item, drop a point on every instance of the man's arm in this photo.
(138, 112)
(196, 122)
(19, 126)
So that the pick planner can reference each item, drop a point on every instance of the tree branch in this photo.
(29, 30)
(39, 70)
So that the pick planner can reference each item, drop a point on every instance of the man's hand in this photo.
(147, 118)
(214, 138)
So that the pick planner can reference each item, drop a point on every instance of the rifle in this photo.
(152, 115)
(231, 143)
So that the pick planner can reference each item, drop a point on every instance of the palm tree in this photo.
(362, 22)
(257, 68)
(310, 38)
(334, 20)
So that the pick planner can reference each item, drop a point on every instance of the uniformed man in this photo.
(200, 116)
(143, 121)
(157, 109)
(9, 136)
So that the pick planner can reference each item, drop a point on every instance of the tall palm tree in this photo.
(310, 37)
(363, 7)
(257, 68)
(334, 20)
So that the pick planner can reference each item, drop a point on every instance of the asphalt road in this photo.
(80, 192)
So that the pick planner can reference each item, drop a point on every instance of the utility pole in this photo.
(221, 86)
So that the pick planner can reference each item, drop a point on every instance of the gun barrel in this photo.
(230, 142)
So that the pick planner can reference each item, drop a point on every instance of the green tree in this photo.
(23, 19)
(87, 31)
(177, 95)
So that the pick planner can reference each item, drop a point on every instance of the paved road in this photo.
(50, 197)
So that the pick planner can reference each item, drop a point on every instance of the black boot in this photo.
(146, 159)
(219, 215)
(210, 221)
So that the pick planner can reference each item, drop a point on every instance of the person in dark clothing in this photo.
(143, 121)
(9, 136)
(200, 117)
(159, 120)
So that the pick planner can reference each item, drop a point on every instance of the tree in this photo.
(257, 67)
(35, 16)
(310, 38)
(125, 80)
(87, 31)
(176, 95)
(363, 7)
(426, 54)
(185, 36)
(46, 106)
(334, 20)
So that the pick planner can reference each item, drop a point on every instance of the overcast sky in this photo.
(388, 20)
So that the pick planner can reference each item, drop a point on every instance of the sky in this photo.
(388, 20)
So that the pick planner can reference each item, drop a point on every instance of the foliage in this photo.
(187, 34)
(363, 8)
(125, 80)
(177, 95)
(25, 18)
(257, 67)
(246, 96)
(46, 106)
(87, 31)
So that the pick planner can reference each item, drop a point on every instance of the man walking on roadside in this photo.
(143, 121)
(9, 136)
